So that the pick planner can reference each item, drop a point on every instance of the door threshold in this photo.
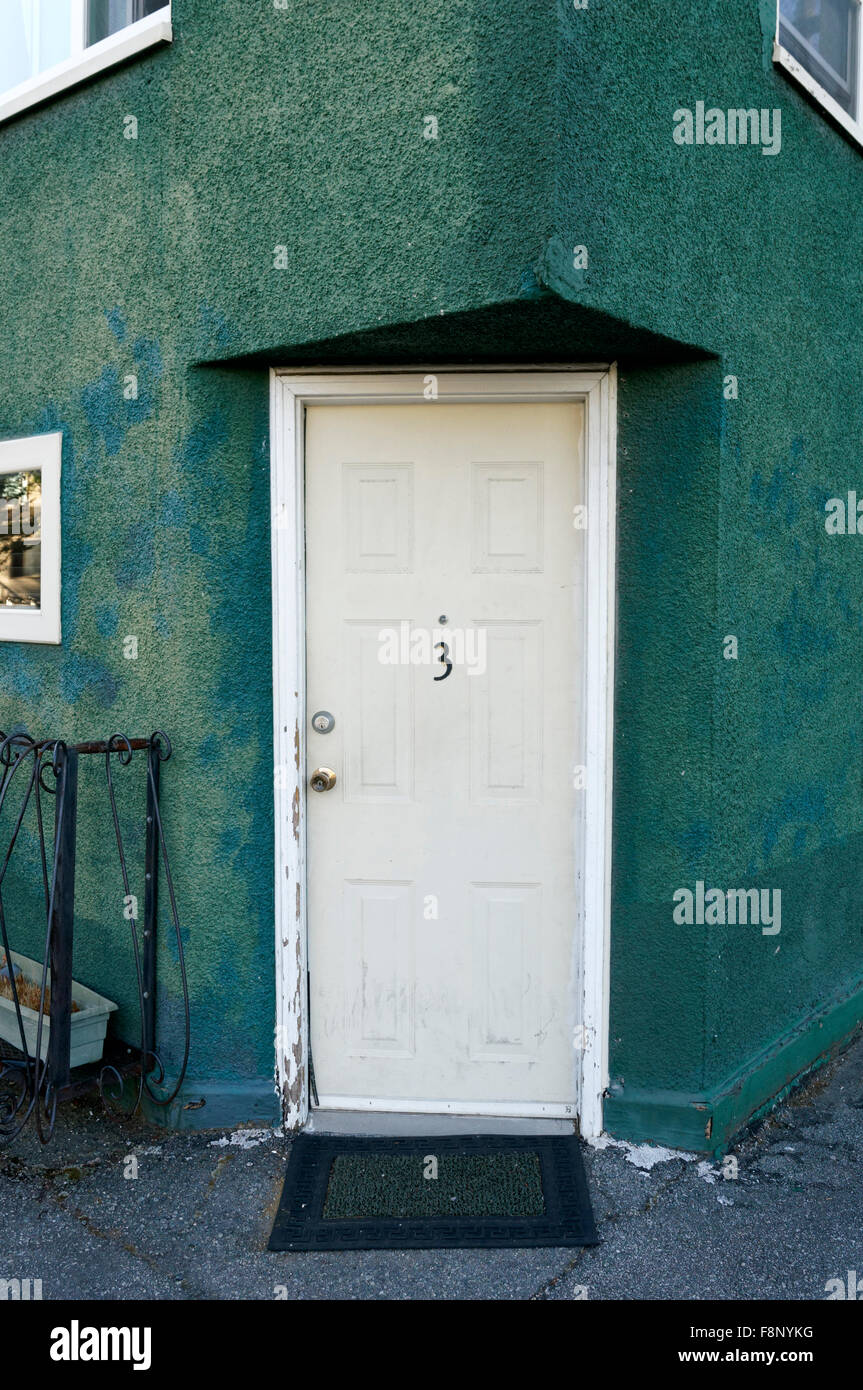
(390, 1123)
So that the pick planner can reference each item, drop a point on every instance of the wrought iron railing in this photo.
(34, 1079)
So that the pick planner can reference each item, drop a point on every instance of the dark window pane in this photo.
(20, 539)
(106, 17)
(824, 37)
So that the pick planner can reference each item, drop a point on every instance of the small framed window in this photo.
(49, 45)
(819, 43)
(30, 538)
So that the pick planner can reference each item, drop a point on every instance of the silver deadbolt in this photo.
(323, 722)
(323, 779)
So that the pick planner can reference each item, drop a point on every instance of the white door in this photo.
(442, 893)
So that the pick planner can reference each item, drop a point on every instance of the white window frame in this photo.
(785, 60)
(87, 62)
(40, 452)
(290, 391)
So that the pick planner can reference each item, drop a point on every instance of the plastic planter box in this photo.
(89, 1024)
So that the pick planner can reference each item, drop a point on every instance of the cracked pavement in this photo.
(195, 1222)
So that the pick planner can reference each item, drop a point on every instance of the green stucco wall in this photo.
(303, 128)
(744, 772)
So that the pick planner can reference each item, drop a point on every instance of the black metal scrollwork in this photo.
(32, 1085)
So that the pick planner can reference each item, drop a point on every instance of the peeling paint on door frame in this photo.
(290, 391)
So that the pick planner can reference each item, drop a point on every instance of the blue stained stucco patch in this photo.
(137, 564)
(174, 509)
(19, 674)
(195, 453)
(109, 414)
(208, 751)
(106, 617)
(819, 497)
(798, 636)
(805, 808)
(138, 557)
(146, 353)
(76, 558)
(83, 673)
(49, 420)
(116, 323)
(213, 331)
(697, 840)
(102, 405)
(198, 540)
(800, 835)
(194, 456)
(776, 497)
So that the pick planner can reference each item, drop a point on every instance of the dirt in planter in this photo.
(29, 994)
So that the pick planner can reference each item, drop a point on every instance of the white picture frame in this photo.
(20, 622)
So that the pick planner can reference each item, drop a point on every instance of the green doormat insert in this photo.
(433, 1193)
(364, 1185)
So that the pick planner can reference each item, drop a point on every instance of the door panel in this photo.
(442, 885)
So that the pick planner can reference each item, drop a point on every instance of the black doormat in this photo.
(477, 1191)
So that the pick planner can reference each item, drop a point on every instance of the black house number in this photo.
(444, 660)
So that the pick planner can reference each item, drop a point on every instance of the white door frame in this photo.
(290, 392)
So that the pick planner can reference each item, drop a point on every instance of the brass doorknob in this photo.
(323, 779)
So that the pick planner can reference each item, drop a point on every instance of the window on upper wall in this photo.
(819, 43)
(48, 45)
(106, 17)
(30, 538)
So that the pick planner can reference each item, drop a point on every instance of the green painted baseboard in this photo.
(706, 1122)
(217, 1105)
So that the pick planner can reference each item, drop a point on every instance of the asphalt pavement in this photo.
(189, 1218)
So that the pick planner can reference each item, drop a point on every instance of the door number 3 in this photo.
(444, 660)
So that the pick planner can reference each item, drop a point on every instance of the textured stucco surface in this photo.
(744, 772)
(303, 128)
